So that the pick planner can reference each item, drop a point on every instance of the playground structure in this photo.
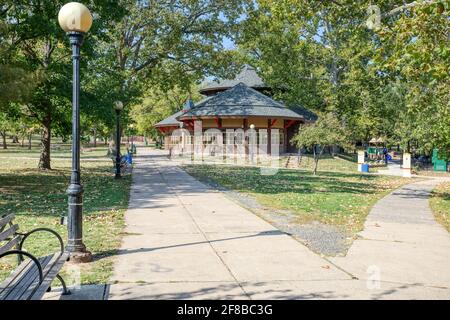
(439, 164)
(375, 151)
(376, 154)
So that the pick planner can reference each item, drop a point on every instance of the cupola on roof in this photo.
(240, 101)
(248, 76)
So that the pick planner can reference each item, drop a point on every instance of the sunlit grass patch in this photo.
(440, 204)
(338, 198)
(38, 199)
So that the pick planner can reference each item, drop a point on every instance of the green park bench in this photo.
(32, 277)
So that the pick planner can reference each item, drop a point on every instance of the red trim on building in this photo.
(189, 123)
(289, 123)
(218, 122)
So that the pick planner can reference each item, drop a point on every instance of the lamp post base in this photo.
(80, 257)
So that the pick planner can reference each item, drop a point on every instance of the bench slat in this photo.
(28, 279)
(49, 277)
(11, 244)
(5, 220)
(9, 232)
(26, 294)
(4, 286)
(24, 283)
(47, 266)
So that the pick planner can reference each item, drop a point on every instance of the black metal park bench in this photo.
(33, 276)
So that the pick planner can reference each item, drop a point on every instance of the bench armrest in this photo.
(22, 253)
(26, 235)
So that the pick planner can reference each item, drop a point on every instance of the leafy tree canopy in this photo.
(324, 56)
(159, 104)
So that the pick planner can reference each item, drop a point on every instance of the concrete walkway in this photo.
(187, 241)
(394, 168)
(402, 242)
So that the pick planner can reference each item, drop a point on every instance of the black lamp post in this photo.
(118, 106)
(132, 138)
(76, 20)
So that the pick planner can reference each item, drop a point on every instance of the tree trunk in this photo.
(15, 139)
(3, 134)
(95, 137)
(44, 160)
(317, 158)
(316, 164)
(29, 141)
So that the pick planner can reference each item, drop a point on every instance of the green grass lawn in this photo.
(62, 152)
(338, 198)
(440, 204)
(341, 163)
(38, 199)
(326, 163)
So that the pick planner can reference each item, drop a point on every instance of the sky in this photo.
(228, 43)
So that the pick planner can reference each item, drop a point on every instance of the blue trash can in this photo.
(364, 167)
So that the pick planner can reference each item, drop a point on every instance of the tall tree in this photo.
(324, 56)
(159, 104)
(325, 132)
(303, 51)
(414, 49)
(308, 50)
(168, 43)
(15, 83)
(9, 123)
(43, 48)
(5, 126)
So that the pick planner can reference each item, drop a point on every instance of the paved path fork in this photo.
(402, 243)
(186, 241)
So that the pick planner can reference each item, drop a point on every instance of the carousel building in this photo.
(242, 103)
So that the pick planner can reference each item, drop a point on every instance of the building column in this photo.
(246, 138)
(269, 137)
(286, 144)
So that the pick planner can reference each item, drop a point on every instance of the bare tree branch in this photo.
(409, 5)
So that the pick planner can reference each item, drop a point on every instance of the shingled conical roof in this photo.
(240, 101)
(170, 121)
(248, 76)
